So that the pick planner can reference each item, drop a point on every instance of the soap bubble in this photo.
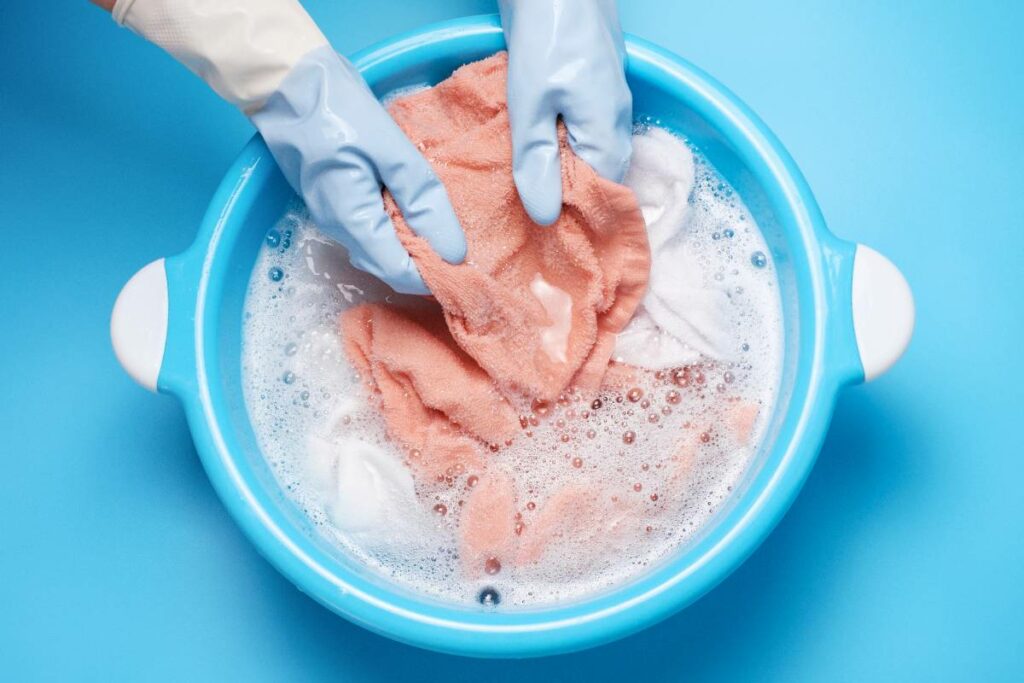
(489, 597)
(675, 423)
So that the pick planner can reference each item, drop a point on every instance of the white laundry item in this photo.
(680, 318)
(362, 486)
(661, 175)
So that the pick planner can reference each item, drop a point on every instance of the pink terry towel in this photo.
(441, 407)
(535, 309)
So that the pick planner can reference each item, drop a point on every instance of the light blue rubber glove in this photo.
(566, 58)
(333, 140)
(337, 146)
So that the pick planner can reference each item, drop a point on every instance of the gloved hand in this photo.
(332, 139)
(337, 145)
(566, 57)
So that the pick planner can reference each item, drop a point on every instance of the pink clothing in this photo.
(437, 403)
(531, 311)
(488, 526)
(596, 252)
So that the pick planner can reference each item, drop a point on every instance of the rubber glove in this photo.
(566, 58)
(332, 138)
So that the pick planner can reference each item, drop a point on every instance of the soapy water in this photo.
(663, 446)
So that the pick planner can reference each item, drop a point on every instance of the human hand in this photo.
(567, 58)
(333, 140)
(337, 146)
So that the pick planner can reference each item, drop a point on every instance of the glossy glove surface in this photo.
(566, 58)
(337, 146)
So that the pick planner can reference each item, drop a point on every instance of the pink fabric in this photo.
(431, 376)
(597, 251)
(443, 373)
(437, 403)
(487, 528)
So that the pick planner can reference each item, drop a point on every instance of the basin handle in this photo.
(883, 311)
(881, 302)
(138, 325)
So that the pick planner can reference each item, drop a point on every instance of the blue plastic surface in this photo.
(202, 363)
(900, 558)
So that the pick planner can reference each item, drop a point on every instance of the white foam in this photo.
(687, 312)
(707, 305)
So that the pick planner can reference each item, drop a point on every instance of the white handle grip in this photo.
(138, 325)
(883, 311)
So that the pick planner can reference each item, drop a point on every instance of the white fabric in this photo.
(680, 318)
(242, 48)
(362, 486)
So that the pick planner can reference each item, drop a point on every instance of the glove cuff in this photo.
(243, 49)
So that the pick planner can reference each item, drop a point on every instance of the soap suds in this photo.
(665, 448)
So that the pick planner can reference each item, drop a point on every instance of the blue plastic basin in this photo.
(177, 327)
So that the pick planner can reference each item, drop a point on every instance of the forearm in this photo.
(243, 49)
(327, 131)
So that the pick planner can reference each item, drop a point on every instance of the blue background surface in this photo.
(903, 556)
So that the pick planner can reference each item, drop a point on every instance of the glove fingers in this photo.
(360, 223)
(380, 254)
(602, 136)
(424, 202)
(355, 217)
(536, 167)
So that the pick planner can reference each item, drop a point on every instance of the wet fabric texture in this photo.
(535, 309)
(532, 311)
(680, 319)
